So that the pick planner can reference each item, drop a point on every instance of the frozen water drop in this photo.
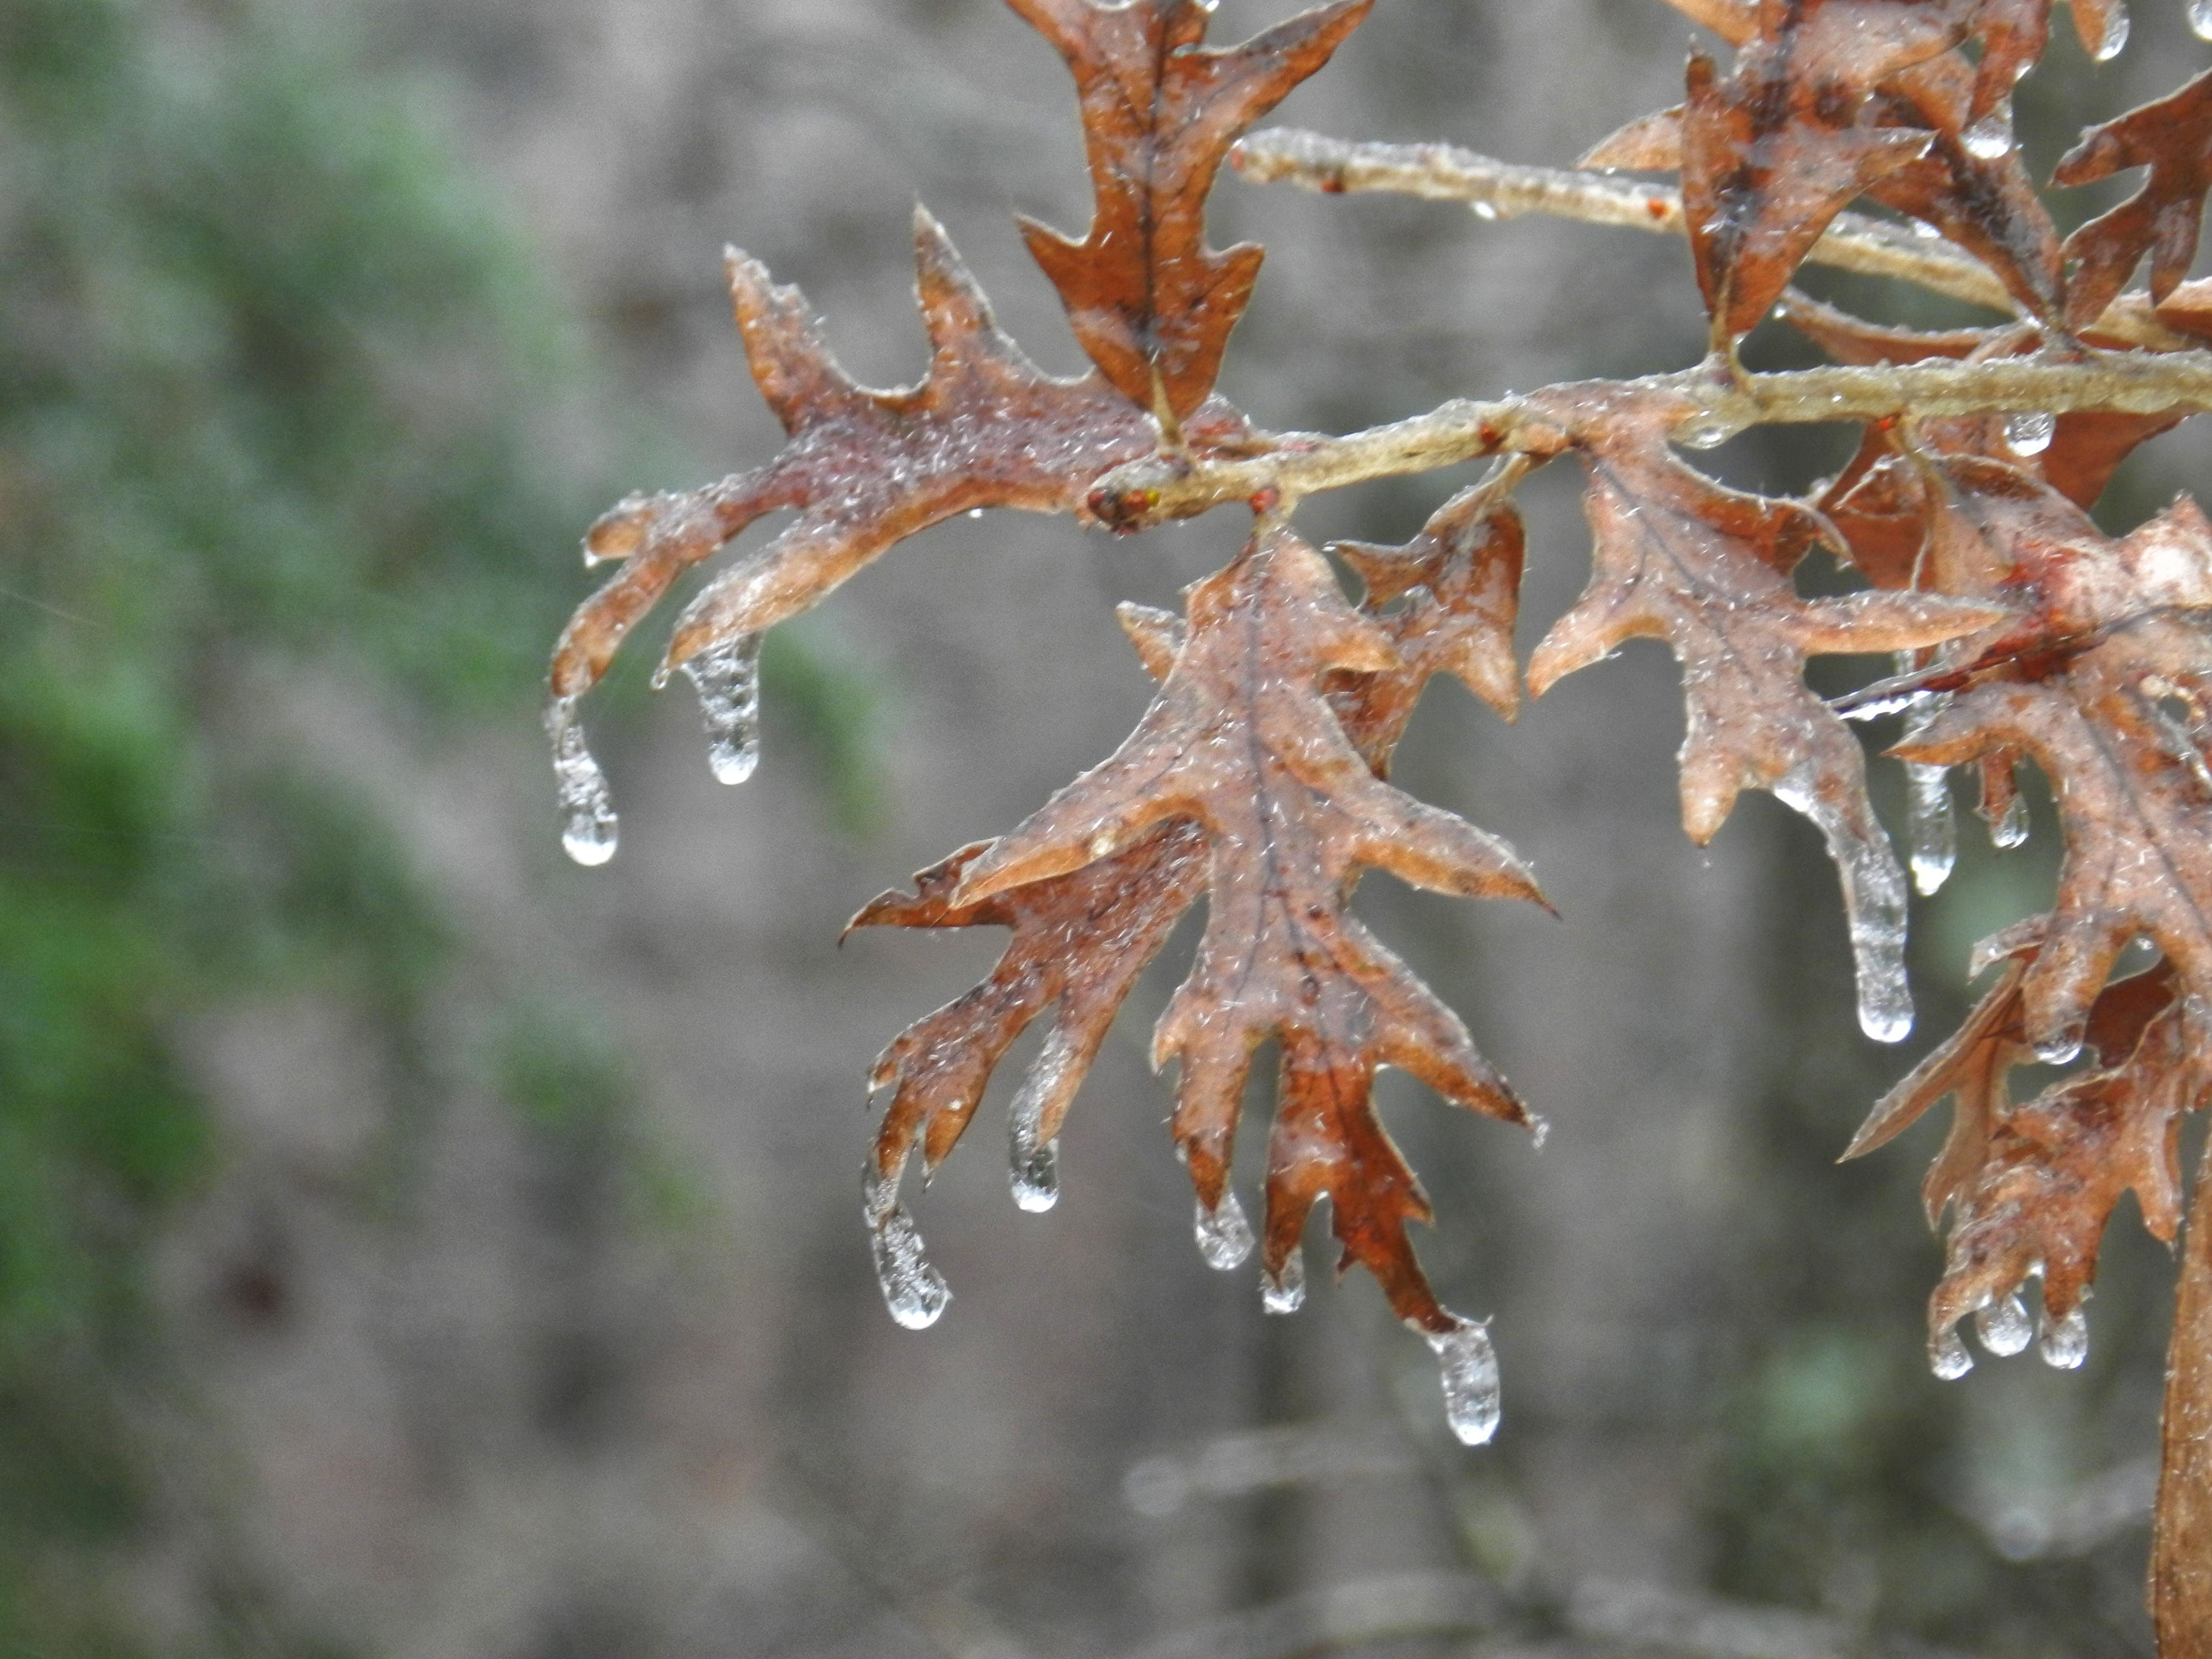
(1948, 1356)
(2059, 1050)
(1469, 1365)
(914, 1291)
(1874, 902)
(1285, 1293)
(2004, 1327)
(2011, 831)
(2030, 434)
(589, 829)
(1928, 796)
(1705, 431)
(975, 511)
(2200, 19)
(1483, 210)
(1540, 1131)
(1033, 1161)
(2116, 32)
(2065, 1342)
(1926, 232)
(1990, 139)
(1033, 1174)
(1225, 1236)
(727, 678)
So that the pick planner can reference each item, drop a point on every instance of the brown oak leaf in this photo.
(1676, 557)
(2171, 136)
(1242, 743)
(862, 469)
(1151, 303)
(2031, 1187)
(2103, 679)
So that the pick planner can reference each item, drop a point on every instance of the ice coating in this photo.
(1033, 1156)
(2011, 831)
(589, 828)
(727, 679)
(2030, 434)
(1225, 1236)
(914, 1291)
(1285, 1293)
(1469, 1365)
(2004, 1327)
(2065, 1342)
(1990, 139)
(1946, 1355)
(2116, 32)
(1935, 829)
(1874, 901)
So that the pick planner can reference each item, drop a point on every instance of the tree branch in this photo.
(1148, 492)
(1505, 190)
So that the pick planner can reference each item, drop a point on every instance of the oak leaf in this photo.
(1242, 743)
(1676, 557)
(2104, 680)
(2171, 136)
(1151, 303)
(862, 469)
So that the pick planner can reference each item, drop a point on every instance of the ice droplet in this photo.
(2116, 32)
(2011, 831)
(914, 1291)
(1990, 139)
(1033, 1161)
(2065, 1342)
(1874, 902)
(1948, 1356)
(2059, 1050)
(1934, 831)
(1926, 232)
(2030, 434)
(2200, 19)
(1225, 1236)
(1704, 430)
(1033, 1171)
(1285, 1293)
(1469, 1365)
(727, 678)
(1483, 210)
(589, 828)
(2004, 1327)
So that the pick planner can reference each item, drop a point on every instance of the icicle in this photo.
(2030, 434)
(1469, 1365)
(1948, 1356)
(1033, 1163)
(2200, 19)
(914, 1291)
(727, 678)
(2004, 1327)
(1285, 1293)
(2011, 831)
(2065, 1342)
(1928, 796)
(1224, 1237)
(589, 828)
(1990, 139)
(2116, 32)
(1874, 901)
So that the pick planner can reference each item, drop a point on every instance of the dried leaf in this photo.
(1242, 743)
(2171, 136)
(2104, 682)
(1678, 558)
(1152, 304)
(863, 470)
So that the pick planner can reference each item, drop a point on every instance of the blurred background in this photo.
(412, 1244)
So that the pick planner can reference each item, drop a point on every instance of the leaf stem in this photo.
(1158, 487)
(1442, 173)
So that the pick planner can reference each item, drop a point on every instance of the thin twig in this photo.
(1505, 190)
(1159, 488)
